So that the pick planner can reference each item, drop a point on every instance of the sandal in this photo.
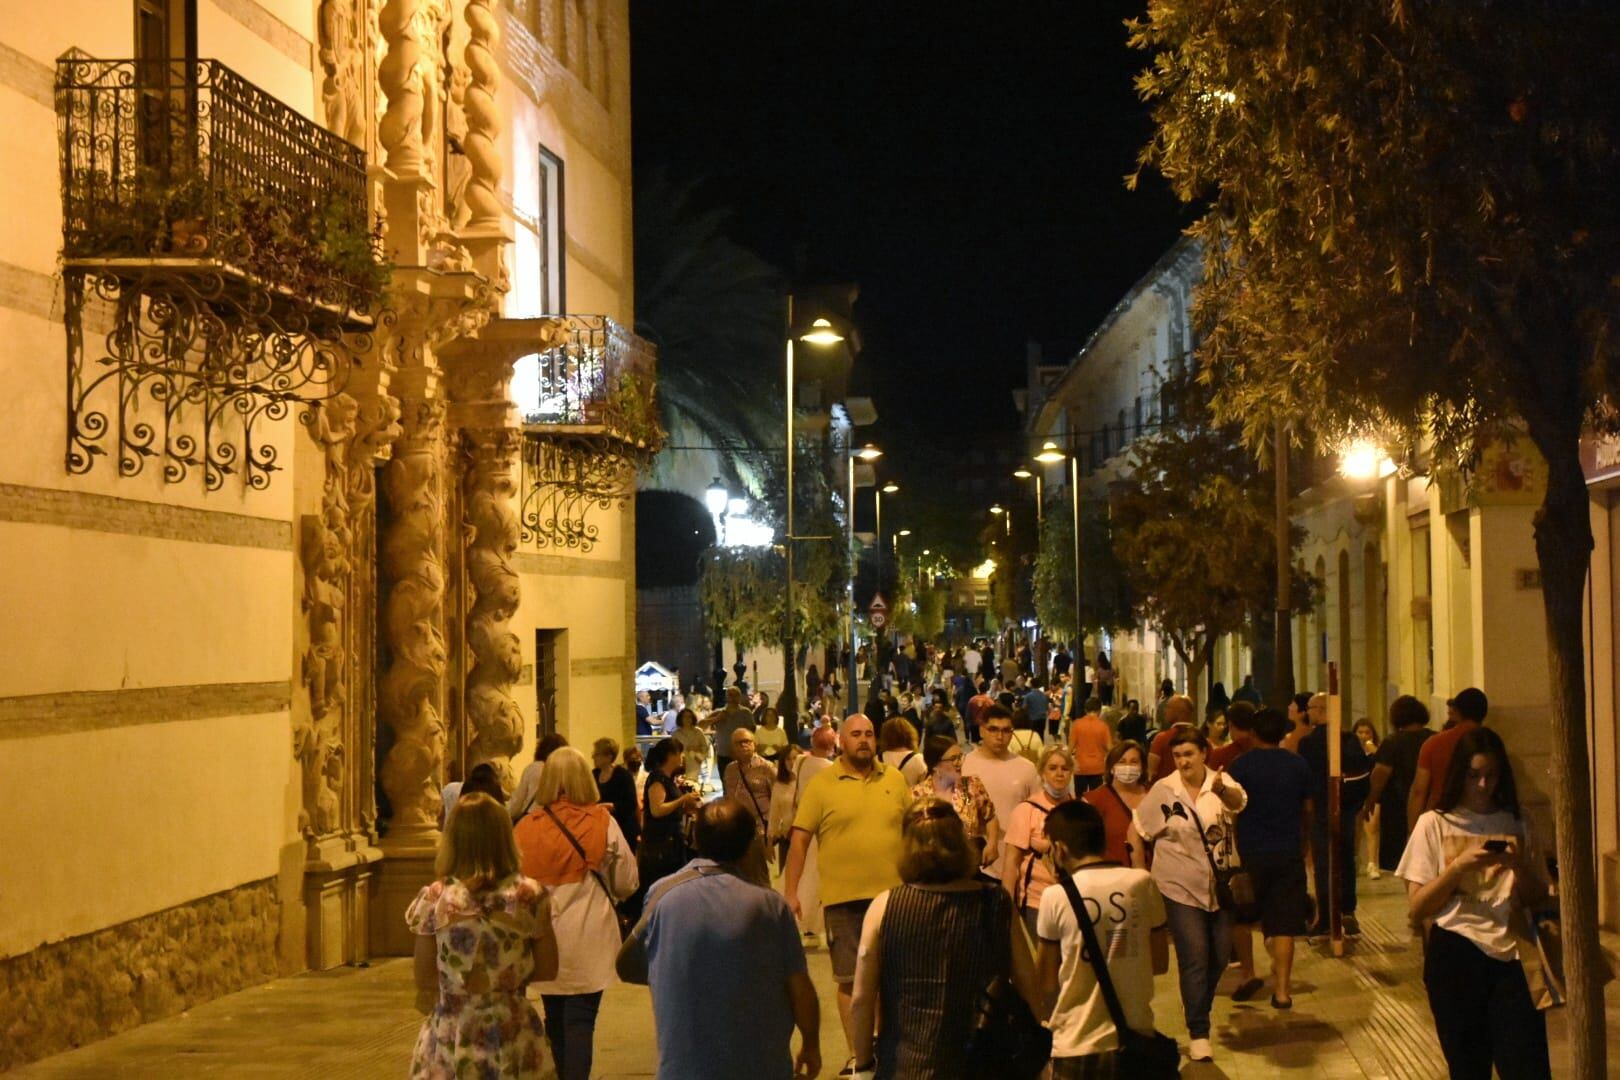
(1248, 989)
(1276, 1004)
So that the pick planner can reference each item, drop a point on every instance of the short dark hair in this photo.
(660, 752)
(548, 743)
(723, 831)
(483, 777)
(935, 747)
(1093, 703)
(1269, 726)
(1240, 716)
(1302, 702)
(1022, 720)
(1078, 826)
(1408, 711)
(1189, 734)
(995, 711)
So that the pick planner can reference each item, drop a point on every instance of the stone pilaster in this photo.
(479, 371)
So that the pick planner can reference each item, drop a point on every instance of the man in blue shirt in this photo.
(1037, 704)
(715, 947)
(1271, 842)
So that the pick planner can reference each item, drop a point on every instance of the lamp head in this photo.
(868, 453)
(1050, 454)
(822, 333)
(715, 497)
(890, 488)
(1022, 473)
(997, 509)
(903, 532)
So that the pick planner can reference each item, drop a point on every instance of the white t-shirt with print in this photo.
(1481, 908)
(1125, 907)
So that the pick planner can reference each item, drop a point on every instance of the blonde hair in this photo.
(605, 745)
(567, 775)
(1058, 749)
(934, 847)
(477, 848)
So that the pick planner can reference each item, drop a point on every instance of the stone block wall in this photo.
(81, 989)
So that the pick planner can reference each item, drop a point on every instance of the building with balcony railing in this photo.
(285, 547)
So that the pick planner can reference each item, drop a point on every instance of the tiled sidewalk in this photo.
(1364, 1015)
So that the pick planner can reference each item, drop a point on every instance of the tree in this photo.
(1105, 600)
(1193, 530)
(1414, 231)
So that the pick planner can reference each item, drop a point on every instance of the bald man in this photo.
(747, 782)
(853, 810)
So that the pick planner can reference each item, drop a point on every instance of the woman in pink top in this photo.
(1025, 872)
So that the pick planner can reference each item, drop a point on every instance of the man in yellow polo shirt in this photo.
(853, 810)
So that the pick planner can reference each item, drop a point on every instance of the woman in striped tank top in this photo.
(928, 948)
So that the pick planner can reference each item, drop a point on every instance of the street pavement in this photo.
(1364, 1015)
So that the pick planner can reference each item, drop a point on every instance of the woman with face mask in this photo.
(1117, 799)
(1025, 870)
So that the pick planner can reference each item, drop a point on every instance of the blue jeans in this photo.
(1203, 948)
(571, 1030)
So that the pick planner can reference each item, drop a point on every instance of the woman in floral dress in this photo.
(483, 934)
(966, 794)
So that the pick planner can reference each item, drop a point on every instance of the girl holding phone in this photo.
(1470, 869)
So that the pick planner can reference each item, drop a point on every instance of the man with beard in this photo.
(853, 809)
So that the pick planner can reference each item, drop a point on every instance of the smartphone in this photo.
(1496, 847)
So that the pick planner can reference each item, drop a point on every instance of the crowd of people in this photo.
(970, 828)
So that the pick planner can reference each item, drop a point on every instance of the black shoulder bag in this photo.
(1148, 1055)
(1004, 1037)
(1234, 888)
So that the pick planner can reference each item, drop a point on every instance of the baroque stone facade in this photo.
(85, 988)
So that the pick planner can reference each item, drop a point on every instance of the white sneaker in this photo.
(1199, 1050)
(1373, 872)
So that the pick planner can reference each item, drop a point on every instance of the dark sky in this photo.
(963, 162)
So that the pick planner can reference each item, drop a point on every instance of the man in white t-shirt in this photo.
(1125, 909)
(1009, 778)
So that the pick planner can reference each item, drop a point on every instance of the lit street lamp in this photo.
(1001, 512)
(821, 333)
(887, 489)
(867, 453)
(1023, 473)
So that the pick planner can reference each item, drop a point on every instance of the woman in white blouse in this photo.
(1469, 867)
(570, 844)
(1187, 818)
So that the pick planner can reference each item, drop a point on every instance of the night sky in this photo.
(963, 162)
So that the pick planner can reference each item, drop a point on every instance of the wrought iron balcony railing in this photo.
(187, 162)
(601, 376)
(591, 420)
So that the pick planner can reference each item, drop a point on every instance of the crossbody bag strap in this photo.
(1204, 839)
(1099, 962)
(600, 880)
(1029, 864)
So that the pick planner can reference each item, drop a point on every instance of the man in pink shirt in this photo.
(1090, 740)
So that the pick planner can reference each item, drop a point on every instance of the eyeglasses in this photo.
(951, 759)
(997, 730)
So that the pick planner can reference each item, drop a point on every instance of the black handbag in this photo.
(1149, 1055)
(1004, 1037)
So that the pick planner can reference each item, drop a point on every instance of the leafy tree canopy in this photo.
(1105, 599)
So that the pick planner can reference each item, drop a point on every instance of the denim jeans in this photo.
(1203, 947)
(1482, 1012)
(571, 1030)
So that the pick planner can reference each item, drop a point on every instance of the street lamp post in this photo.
(1023, 473)
(821, 333)
(887, 489)
(1050, 455)
(866, 453)
(1005, 515)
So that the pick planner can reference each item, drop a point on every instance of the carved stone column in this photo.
(413, 685)
(479, 372)
(483, 119)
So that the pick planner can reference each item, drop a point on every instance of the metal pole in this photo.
(877, 501)
(1336, 854)
(1282, 633)
(854, 562)
(1040, 507)
(1074, 492)
(788, 672)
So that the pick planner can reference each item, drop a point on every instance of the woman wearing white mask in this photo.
(1025, 870)
(1116, 800)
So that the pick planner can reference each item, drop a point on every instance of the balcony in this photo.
(188, 163)
(225, 239)
(590, 421)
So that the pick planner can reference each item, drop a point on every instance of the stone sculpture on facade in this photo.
(495, 724)
(411, 687)
(342, 54)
